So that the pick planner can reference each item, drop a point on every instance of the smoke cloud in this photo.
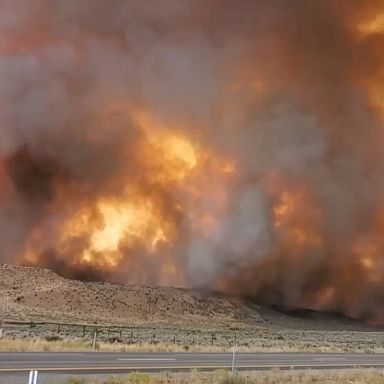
(232, 145)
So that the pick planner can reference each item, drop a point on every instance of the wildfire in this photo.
(375, 25)
(283, 208)
(296, 214)
(301, 225)
(107, 233)
(120, 225)
(197, 143)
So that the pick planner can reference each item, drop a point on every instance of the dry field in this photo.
(131, 317)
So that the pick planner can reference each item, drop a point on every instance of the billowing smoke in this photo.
(233, 145)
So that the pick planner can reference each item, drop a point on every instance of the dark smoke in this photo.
(32, 177)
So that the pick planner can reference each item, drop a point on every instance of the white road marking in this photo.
(149, 359)
(329, 358)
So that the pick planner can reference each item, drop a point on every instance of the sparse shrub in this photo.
(75, 380)
(52, 338)
(113, 380)
(115, 340)
(219, 375)
(234, 379)
(139, 378)
(195, 377)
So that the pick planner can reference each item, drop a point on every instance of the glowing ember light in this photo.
(325, 297)
(283, 208)
(297, 217)
(373, 26)
(178, 154)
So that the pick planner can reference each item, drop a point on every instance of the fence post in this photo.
(83, 330)
(59, 328)
(94, 340)
(30, 328)
(5, 309)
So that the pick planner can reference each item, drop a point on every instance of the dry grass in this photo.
(7, 345)
(79, 345)
(168, 347)
(223, 377)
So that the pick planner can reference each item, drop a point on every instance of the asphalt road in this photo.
(100, 362)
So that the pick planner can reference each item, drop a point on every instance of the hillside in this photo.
(40, 294)
(48, 307)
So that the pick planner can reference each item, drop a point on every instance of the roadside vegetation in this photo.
(223, 377)
(80, 345)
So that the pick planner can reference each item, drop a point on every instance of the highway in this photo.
(103, 362)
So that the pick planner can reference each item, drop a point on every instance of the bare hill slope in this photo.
(40, 294)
